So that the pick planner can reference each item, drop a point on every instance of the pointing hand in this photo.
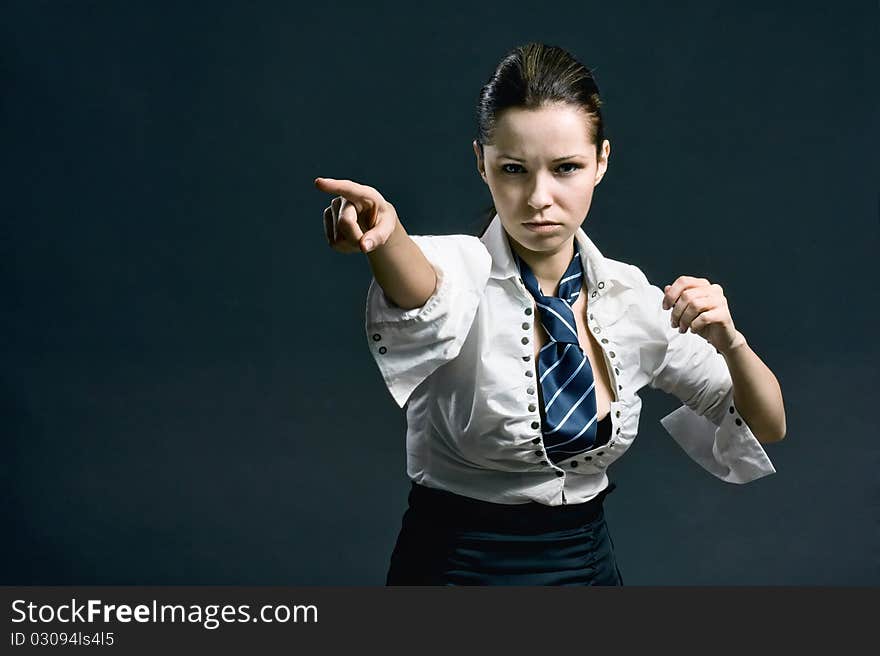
(358, 218)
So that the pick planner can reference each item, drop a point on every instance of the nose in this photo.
(539, 195)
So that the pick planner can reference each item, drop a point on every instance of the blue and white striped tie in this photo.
(568, 403)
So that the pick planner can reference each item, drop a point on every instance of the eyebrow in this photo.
(558, 159)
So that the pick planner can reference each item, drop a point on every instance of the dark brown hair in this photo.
(530, 77)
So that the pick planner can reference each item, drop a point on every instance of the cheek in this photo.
(584, 196)
(503, 191)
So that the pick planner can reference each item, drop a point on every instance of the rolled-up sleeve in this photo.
(708, 426)
(409, 345)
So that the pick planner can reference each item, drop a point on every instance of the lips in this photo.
(541, 228)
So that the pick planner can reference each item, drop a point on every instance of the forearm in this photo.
(756, 392)
(402, 270)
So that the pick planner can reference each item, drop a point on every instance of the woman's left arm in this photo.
(701, 306)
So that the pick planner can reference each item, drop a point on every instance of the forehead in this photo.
(536, 131)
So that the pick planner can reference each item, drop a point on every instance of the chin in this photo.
(539, 243)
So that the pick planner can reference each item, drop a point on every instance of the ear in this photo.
(603, 161)
(481, 165)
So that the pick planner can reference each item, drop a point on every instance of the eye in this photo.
(574, 167)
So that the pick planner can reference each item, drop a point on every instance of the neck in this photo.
(547, 266)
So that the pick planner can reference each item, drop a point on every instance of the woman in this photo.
(519, 354)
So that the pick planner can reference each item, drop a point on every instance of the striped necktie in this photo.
(568, 397)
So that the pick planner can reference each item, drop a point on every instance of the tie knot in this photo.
(555, 312)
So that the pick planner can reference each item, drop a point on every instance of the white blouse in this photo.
(459, 364)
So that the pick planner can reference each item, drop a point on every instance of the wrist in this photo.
(738, 343)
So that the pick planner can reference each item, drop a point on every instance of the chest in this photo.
(591, 348)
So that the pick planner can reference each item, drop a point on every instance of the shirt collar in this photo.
(599, 276)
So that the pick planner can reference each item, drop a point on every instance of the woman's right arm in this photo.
(359, 219)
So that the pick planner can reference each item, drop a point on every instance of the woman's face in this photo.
(542, 168)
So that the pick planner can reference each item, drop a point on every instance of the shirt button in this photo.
(600, 453)
(617, 371)
(617, 413)
(525, 340)
(377, 337)
(620, 387)
(537, 440)
(618, 429)
(531, 390)
(604, 340)
(731, 409)
(559, 473)
(529, 373)
(539, 452)
(544, 462)
(526, 358)
(588, 458)
(611, 353)
(536, 426)
(383, 350)
(591, 316)
(532, 407)
(525, 326)
(593, 294)
(597, 329)
(528, 310)
(574, 463)
(738, 421)
(601, 285)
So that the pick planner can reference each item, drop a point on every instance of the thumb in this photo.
(377, 233)
(376, 237)
(370, 241)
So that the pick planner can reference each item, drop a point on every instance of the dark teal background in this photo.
(187, 392)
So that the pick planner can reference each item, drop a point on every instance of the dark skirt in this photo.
(448, 539)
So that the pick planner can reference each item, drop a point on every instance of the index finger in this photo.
(356, 193)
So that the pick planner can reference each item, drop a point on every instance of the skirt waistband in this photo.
(449, 509)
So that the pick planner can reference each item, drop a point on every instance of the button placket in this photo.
(532, 407)
(529, 373)
(526, 358)
(612, 366)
